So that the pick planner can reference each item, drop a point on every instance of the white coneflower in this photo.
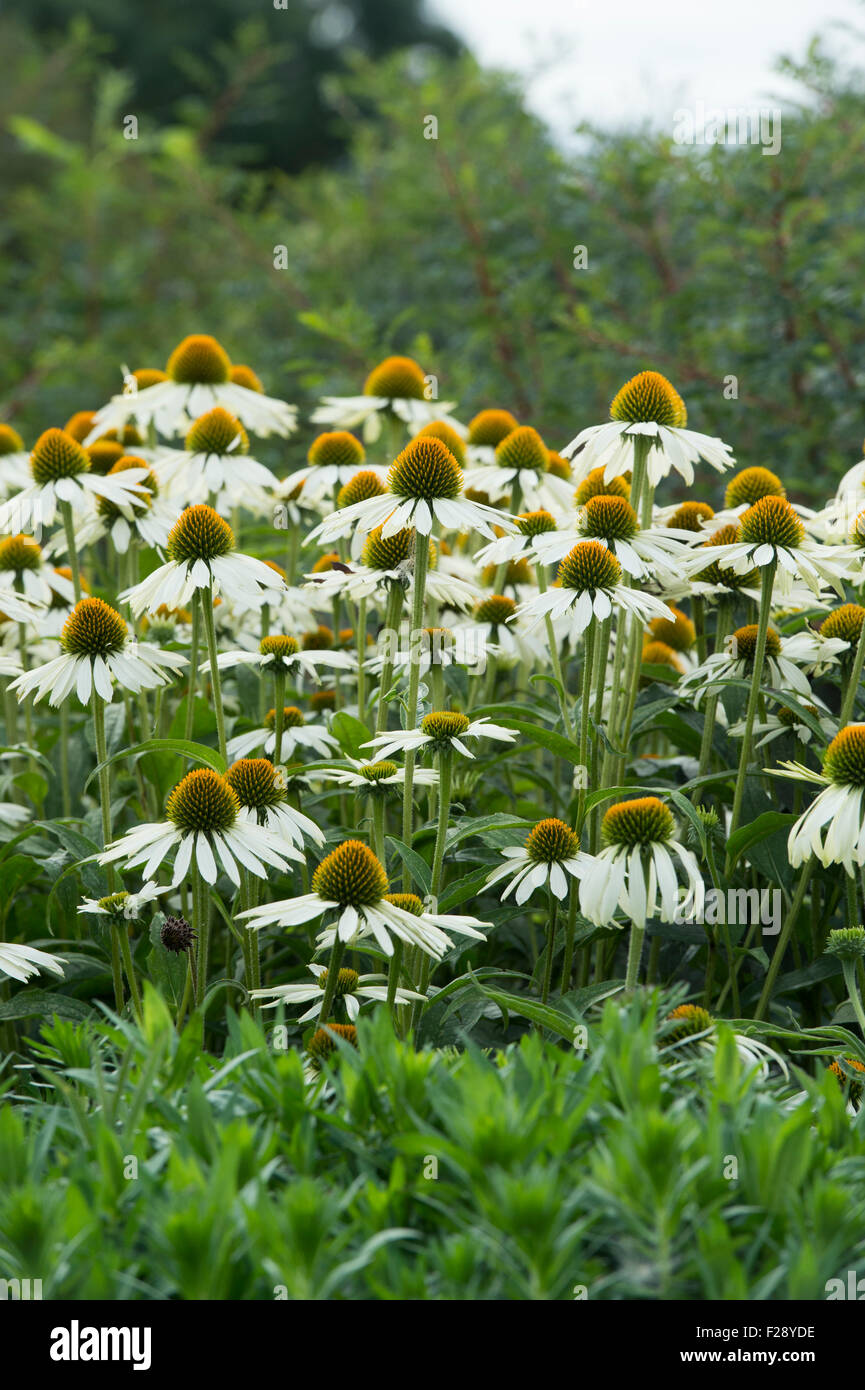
(771, 534)
(590, 586)
(388, 561)
(736, 662)
(833, 826)
(60, 475)
(549, 855)
(296, 735)
(24, 569)
(636, 871)
(147, 518)
(485, 432)
(691, 1026)
(14, 461)
(397, 388)
(497, 628)
(97, 654)
(440, 730)
(215, 462)
(521, 470)
(613, 522)
(280, 653)
(23, 962)
(352, 989)
(202, 556)
(333, 461)
(262, 792)
(204, 825)
(650, 411)
(425, 487)
(520, 544)
(351, 885)
(369, 777)
(197, 378)
(789, 721)
(125, 905)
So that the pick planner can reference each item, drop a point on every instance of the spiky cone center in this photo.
(847, 943)
(588, 567)
(593, 485)
(396, 379)
(406, 902)
(292, 718)
(336, 449)
(851, 1088)
(199, 533)
(256, 783)
(114, 903)
(322, 700)
(318, 639)
(537, 523)
(279, 646)
(203, 801)
(489, 427)
(551, 842)
(325, 563)
(691, 515)
(378, 772)
(20, 553)
(649, 396)
(440, 429)
(103, 454)
(523, 448)
(844, 622)
(661, 654)
(351, 876)
(92, 629)
(750, 485)
(321, 1045)
(362, 486)
(771, 521)
(644, 821)
(497, 610)
(162, 625)
(65, 571)
(389, 552)
(791, 719)
(57, 455)
(177, 935)
(743, 643)
(516, 572)
(199, 359)
(558, 466)
(611, 518)
(442, 726)
(680, 635)
(844, 763)
(346, 982)
(217, 432)
(10, 441)
(146, 377)
(241, 375)
(725, 578)
(690, 1019)
(426, 469)
(141, 500)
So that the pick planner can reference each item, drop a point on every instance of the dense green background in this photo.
(702, 263)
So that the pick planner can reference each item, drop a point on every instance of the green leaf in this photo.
(183, 748)
(748, 835)
(417, 867)
(350, 734)
(41, 1003)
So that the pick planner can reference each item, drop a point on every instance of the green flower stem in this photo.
(201, 923)
(445, 762)
(767, 581)
(780, 948)
(722, 628)
(725, 927)
(129, 966)
(378, 827)
(65, 788)
(570, 932)
(421, 563)
(609, 761)
(393, 973)
(336, 955)
(635, 949)
(552, 923)
(555, 659)
(391, 624)
(195, 643)
(853, 682)
(849, 969)
(699, 604)
(69, 528)
(585, 704)
(360, 648)
(279, 714)
(97, 705)
(210, 637)
(514, 509)
(291, 554)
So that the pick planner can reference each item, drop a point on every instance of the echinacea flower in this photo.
(647, 407)
(202, 556)
(521, 469)
(375, 778)
(833, 826)
(397, 388)
(145, 518)
(23, 962)
(334, 458)
(24, 569)
(60, 473)
(351, 884)
(613, 522)
(770, 533)
(197, 378)
(425, 487)
(736, 662)
(296, 734)
(787, 721)
(261, 790)
(521, 544)
(352, 989)
(590, 586)
(281, 654)
(636, 871)
(215, 461)
(691, 1026)
(124, 906)
(385, 562)
(204, 825)
(97, 654)
(14, 461)
(549, 855)
(440, 731)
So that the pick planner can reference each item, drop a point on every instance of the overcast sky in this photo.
(620, 60)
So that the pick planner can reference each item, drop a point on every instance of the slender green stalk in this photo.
(849, 969)
(767, 581)
(551, 946)
(722, 627)
(279, 715)
(421, 563)
(391, 625)
(69, 528)
(585, 705)
(121, 931)
(333, 965)
(852, 686)
(570, 932)
(635, 949)
(210, 637)
(201, 923)
(97, 705)
(360, 647)
(781, 946)
(195, 643)
(555, 659)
